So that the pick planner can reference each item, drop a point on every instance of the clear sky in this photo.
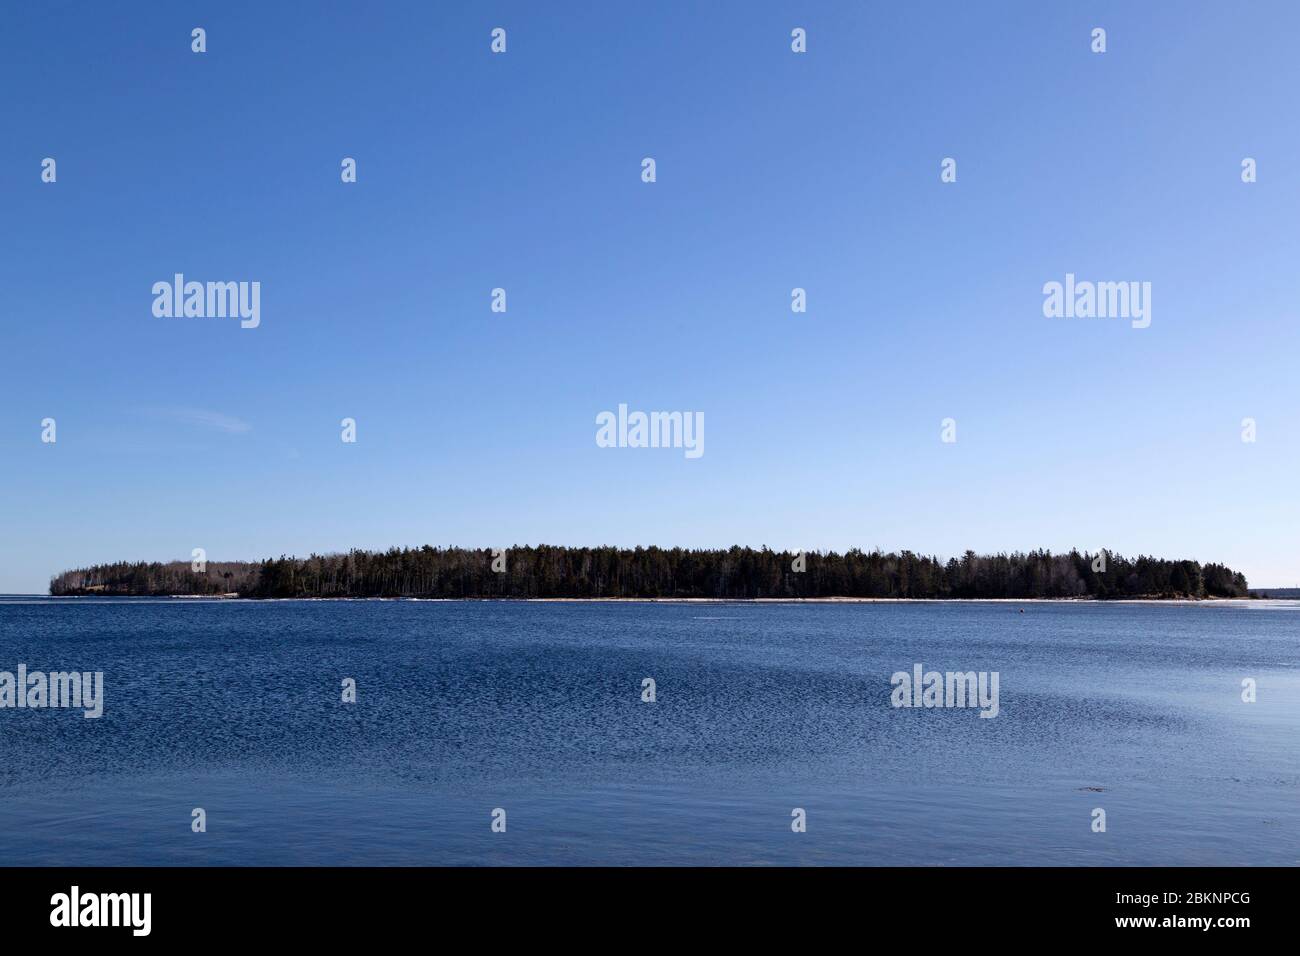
(774, 170)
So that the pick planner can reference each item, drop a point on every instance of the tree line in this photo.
(734, 573)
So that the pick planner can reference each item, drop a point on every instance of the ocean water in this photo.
(535, 708)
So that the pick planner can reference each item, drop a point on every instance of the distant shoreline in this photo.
(737, 573)
(664, 600)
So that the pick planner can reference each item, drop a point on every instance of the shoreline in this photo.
(672, 600)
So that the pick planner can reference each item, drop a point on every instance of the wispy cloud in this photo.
(206, 419)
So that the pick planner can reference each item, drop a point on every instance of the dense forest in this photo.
(605, 572)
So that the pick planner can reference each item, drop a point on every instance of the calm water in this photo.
(235, 707)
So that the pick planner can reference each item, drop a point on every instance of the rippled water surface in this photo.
(536, 708)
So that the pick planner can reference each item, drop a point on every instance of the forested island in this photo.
(605, 572)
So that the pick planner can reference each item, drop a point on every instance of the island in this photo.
(736, 573)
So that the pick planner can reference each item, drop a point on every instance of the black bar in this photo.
(641, 906)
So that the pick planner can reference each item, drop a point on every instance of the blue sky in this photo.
(774, 170)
